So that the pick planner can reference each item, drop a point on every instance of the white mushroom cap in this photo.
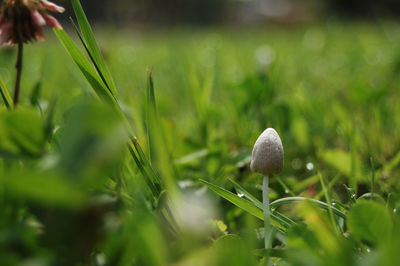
(267, 156)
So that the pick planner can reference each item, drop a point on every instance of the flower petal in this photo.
(51, 21)
(5, 33)
(37, 18)
(52, 7)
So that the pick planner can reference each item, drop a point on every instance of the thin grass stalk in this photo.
(18, 66)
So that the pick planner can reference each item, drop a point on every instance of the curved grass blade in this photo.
(289, 200)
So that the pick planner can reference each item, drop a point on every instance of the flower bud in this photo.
(267, 156)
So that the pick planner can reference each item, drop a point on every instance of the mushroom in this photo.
(267, 159)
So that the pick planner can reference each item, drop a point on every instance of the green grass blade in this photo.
(93, 60)
(152, 180)
(149, 182)
(284, 186)
(328, 199)
(151, 96)
(47, 188)
(236, 200)
(92, 45)
(151, 114)
(246, 205)
(145, 162)
(246, 194)
(304, 184)
(85, 66)
(391, 164)
(318, 203)
(49, 121)
(158, 144)
(5, 95)
(255, 201)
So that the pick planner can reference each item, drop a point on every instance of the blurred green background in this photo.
(324, 74)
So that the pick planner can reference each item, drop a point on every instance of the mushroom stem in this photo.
(267, 222)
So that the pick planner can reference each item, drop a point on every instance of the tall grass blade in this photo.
(90, 54)
(92, 45)
(149, 182)
(152, 117)
(49, 121)
(85, 66)
(5, 95)
(328, 199)
(157, 142)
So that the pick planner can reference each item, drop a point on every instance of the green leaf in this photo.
(342, 161)
(300, 130)
(35, 93)
(5, 95)
(302, 185)
(49, 123)
(91, 141)
(224, 247)
(370, 221)
(92, 45)
(192, 157)
(21, 133)
(85, 67)
(372, 196)
(391, 164)
(50, 189)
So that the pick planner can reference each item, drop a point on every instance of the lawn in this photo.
(78, 189)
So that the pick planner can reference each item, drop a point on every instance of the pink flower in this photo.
(51, 6)
(21, 21)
